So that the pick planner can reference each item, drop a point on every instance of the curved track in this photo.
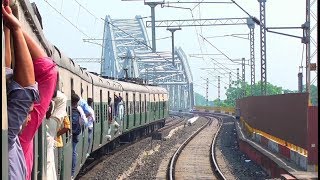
(195, 158)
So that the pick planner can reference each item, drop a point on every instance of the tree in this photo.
(314, 95)
(235, 91)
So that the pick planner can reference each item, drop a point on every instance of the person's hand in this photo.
(5, 2)
(9, 19)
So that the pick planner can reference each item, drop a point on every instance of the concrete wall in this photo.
(283, 116)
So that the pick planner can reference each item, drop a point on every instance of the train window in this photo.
(134, 102)
(131, 108)
(145, 103)
(139, 105)
(58, 51)
(96, 110)
(100, 104)
(142, 106)
(69, 114)
(72, 61)
(71, 83)
(126, 108)
(105, 112)
(87, 92)
(81, 89)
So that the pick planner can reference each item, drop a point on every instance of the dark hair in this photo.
(90, 101)
(55, 93)
(74, 99)
(109, 100)
(72, 91)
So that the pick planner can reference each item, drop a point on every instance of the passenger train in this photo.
(146, 106)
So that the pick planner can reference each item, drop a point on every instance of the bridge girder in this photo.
(126, 45)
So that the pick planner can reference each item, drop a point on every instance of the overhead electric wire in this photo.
(75, 26)
(224, 67)
(219, 50)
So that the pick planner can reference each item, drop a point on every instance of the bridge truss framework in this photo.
(126, 46)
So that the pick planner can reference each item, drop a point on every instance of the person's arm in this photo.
(23, 70)
(62, 131)
(7, 46)
(66, 126)
(46, 76)
(35, 49)
(83, 116)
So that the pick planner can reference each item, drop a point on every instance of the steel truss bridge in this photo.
(126, 49)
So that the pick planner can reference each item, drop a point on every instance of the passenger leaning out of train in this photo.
(84, 105)
(78, 120)
(64, 126)
(121, 111)
(22, 90)
(91, 120)
(55, 116)
(40, 69)
(111, 120)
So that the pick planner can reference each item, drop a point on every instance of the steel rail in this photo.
(214, 155)
(174, 158)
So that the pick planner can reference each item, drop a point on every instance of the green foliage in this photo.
(314, 95)
(201, 100)
(235, 92)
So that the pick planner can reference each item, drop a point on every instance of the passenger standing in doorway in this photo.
(22, 91)
(45, 74)
(56, 118)
(91, 120)
(78, 119)
(121, 112)
(51, 131)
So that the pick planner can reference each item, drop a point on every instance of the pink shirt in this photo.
(46, 76)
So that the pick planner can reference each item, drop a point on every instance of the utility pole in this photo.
(300, 82)
(207, 93)
(263, 47)
(250, 23)
(306, 40)
(238, 76)
(219, 90)
(243, 78)
(153, 20)
(172, 30)
(230, 80)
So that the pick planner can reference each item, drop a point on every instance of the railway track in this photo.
(98, 158)
(195, 158)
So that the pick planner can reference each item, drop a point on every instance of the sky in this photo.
(284, 54)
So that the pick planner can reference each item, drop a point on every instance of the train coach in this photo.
(145, 106)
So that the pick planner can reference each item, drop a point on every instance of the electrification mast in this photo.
(263, 47)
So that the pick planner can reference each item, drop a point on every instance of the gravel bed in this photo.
(137, 161)
(235, 160)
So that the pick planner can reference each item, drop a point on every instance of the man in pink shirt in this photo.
(46, 76)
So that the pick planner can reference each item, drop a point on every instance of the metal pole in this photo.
(307, 36)
(172, 33)
(238, 76)
(230, 80)
(243, 78)
(153, 29)
(219, 90)
(250, 23)
(300, 82)
(172, 30)
(263, 47)
(207, 89)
